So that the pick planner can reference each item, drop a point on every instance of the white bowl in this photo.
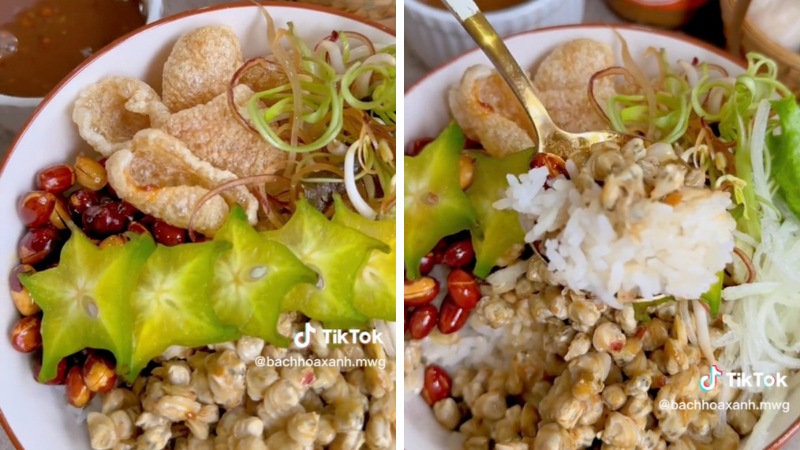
(14, 111)
(36, 416)
(435, 36)
(422, 431)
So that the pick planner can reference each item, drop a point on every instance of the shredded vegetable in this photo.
(703, 110)
(660, 112)
(332, 108)
(743, 133)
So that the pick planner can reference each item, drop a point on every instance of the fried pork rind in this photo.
(160, 176)
(562, 82)
(200, 66)
(261, 77)
(110, 112)
(487, 111)
(214, 134)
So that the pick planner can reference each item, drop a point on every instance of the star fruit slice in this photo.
(336, 253)
(252, 279)
(435, 205)
(86, 299)
(172, 302)
(375, 292)
(498, 231)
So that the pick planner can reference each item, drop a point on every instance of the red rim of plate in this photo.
(793, 429)
(269, 4)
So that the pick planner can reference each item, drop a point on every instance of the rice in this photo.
(643, 249)
(471, 349)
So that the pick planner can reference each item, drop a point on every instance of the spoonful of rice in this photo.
(549, 135)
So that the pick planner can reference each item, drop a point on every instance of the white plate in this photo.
(427, 114)
(37, 416)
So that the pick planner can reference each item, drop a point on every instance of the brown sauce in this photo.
(41, 41)
(484, 5)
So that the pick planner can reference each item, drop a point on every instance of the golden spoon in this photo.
(548, 135)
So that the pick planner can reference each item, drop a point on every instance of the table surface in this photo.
(596, 11)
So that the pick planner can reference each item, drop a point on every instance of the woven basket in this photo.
(382, 11)
(744, 36)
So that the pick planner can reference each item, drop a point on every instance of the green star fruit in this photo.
(252, 279)
(435, 205)
(497, 231)
(336, 253)
(375, 292)
(172, 302)
(86, 299)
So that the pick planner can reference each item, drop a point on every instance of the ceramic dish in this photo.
(14, 111)
(436, 37)
(422, 431)
(36, 416)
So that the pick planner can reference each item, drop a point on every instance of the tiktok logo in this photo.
(302, 339)
(709, 382)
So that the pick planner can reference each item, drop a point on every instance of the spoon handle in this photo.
(476, 24)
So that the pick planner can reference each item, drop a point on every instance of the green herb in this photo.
(735, 123)
(713, 297)
(668, 117)
(317, 96)
(784, 149)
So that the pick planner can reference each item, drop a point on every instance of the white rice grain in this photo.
(648, 249)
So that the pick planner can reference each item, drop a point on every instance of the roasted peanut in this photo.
(98, 373)
(90, 173)
(19, 293)
(466, 171)
(420, 292)
(26, 336)
(463, 288)
(437, 385)
(555, 164)
(78, 394)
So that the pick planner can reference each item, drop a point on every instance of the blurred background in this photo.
(767, 26)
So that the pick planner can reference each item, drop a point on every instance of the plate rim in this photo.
(793, 429)
(115, 43)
